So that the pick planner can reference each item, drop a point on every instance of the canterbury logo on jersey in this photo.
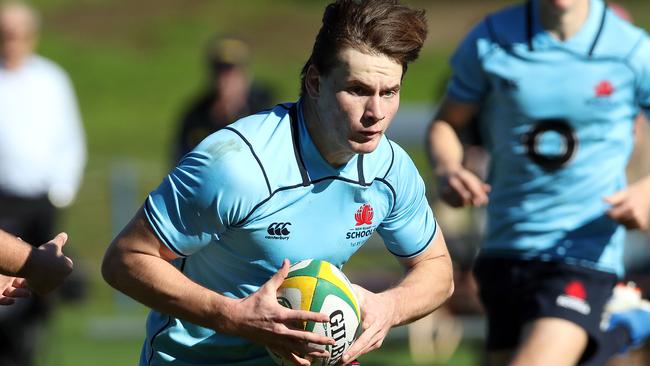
(278, 230)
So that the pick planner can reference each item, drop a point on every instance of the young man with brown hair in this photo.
(203, 252)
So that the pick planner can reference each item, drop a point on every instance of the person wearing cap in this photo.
(556, 86)
(42, 157)
(230, 93)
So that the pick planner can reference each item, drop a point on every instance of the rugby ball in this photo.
(319, 286)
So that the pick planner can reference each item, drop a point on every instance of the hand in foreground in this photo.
(48, 266)
(377, 316)
(462, 187)
(260, 318)
(630, 207)
(12, 288)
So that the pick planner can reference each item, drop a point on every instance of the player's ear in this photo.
(312, 81)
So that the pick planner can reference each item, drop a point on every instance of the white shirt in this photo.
(42, 143)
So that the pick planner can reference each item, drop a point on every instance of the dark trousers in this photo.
(22, 324)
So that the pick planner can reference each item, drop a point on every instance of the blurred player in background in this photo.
(230, 94)
(25, 268)
(42, 155)
(558, 84)
(203, 252)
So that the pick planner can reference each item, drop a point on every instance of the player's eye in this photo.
(355, 90)
(389, 93)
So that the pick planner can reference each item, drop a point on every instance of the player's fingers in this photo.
(276, 280)
(616, 198)
(69, 263)
(363, 342)
(457, 188)
(292, 357)
(16, 292)
(308, 337)
(474, 186)
(60, 240)
(619, 212)
(290, 315)
(20, 283)
(487, 188)
(317, 353)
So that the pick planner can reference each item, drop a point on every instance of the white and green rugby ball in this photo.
(319, 286)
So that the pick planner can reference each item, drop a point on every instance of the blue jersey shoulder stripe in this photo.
(392, 159)
(362, 178)
(241, 222)
(390, 186)
(266, 178)
(600, 31)
(295, 138)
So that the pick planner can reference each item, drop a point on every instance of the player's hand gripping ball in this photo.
(321, 287)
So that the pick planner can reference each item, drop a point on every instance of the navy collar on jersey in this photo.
(303, 147)
(532, 16)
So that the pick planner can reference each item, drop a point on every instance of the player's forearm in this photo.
(157, 284)
(14, 254)
(445, 148)
(424, 288)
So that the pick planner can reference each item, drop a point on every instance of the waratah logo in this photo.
(364, 215)
(604, 89)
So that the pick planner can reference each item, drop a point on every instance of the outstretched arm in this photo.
(427, 284)
(137, 264)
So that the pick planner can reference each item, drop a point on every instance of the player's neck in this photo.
(563, 23)
(322, 137)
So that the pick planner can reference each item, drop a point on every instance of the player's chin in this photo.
(365, 146)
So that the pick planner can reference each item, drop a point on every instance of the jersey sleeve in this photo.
(468, 82)
(410, 226)
(641, 64)
(214, 187)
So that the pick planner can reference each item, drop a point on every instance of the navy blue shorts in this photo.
(515, 292)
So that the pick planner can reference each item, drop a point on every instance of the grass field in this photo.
(134, 65)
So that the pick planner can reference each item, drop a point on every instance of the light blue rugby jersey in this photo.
(557, 118)
(259, 191)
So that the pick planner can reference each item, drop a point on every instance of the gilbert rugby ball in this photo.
(319, 286)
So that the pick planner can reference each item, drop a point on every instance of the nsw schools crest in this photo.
(362, 229)
(364, 215)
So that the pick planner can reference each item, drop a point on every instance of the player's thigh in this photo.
(551, 341)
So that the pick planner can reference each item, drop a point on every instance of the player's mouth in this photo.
(370, 135)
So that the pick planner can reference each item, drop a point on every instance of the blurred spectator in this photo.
(42, 155)
(229, 94)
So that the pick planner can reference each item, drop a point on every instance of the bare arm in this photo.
(460, 186)
(137, 264)
(22, 266)
(427, 284)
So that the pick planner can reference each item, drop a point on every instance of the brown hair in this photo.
(373, 26)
